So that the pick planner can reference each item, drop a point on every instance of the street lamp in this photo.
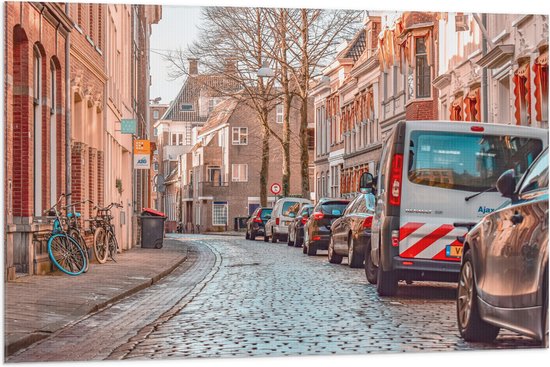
(265, 71)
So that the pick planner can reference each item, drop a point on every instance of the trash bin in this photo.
(152, 228)
(240, 223)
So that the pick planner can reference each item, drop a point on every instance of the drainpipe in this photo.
(68, 99)
(484, 86)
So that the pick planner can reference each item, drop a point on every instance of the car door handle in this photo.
(517, 218)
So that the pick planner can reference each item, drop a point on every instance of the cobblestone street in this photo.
(234, 297)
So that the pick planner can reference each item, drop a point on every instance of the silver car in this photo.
(504, 274)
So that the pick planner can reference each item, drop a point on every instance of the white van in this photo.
(433, 174)
(282, 215)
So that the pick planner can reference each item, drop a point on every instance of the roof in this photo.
(214, 84)
(219, 115)
(355, 48)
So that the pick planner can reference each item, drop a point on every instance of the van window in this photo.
(290, 207)
(468, 162)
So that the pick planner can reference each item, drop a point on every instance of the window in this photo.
(219, 213)
(155, 131)
(311, 138)
(240, 136)
(215, 175)
(239, 172)
(186, 107)
(423, 73)
(155, 114)
(279, 113)
(177, 139)
(537, 177)
(469, 162)
(37, 118)
(212, 103)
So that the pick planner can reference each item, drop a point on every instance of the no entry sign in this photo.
(276, 188)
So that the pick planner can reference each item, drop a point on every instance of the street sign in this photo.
(276, 189)
(142, 147)
(128, 126)
(142, 161)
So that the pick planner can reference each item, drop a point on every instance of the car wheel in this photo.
(252, 236)
(247, 236)
(289, 242)
(266, 237)
(311, 250)
(273, 237)
(370, 269)
(333, 257)
(470, 324)
(386, 284)
(354, 260)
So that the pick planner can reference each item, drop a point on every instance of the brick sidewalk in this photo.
(37, 306)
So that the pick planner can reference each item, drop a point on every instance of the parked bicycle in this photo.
(74, 229)
(64, 251)
(105, 242)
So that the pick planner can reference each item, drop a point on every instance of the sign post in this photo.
(275, 189)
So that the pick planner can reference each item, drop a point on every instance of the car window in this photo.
(265, 213)
(382, 170)
(350, 208)
(333, 207)
(537, 176)
(469, 162)
(289, 207)
(370, 202)
(305, 211)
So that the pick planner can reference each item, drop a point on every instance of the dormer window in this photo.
(186, 107)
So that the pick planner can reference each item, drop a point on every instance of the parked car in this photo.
(296, 227)
(350, 234)
(504, 274)
(284, 211)
(431, 175)
(317, 227)
(255, 225)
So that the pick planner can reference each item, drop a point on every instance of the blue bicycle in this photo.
(64, 251)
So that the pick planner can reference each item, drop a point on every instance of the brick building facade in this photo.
(35, 106)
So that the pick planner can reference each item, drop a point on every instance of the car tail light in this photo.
(395, 238)
(304, 220)
(277, 221)
(318, 215)
(367, 223)
(316, 238)
(395, 179)
(408, 263)
(257, 220)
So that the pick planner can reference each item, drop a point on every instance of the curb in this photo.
(36, 336)
(224, 234)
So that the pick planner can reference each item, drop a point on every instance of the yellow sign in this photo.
(142, 147)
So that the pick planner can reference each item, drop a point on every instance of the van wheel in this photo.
(386, 284)
(289, 242)
(354, 260)
(470, 324)
(333, 257)
(371, 271)
(266, 237)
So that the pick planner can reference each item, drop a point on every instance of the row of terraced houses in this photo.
(72, 72)
(424, 66)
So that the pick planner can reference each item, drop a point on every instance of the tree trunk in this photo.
(304, 151)
(264, 170)
(287, 100)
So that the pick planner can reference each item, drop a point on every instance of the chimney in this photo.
(193, 66)
(230, 66)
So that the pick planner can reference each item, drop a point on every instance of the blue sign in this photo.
(128, 126)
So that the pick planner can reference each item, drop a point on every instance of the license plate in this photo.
(453, 251)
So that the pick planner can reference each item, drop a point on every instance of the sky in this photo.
(176, 29)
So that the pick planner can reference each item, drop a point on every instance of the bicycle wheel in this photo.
(66, 254)
(113, 245)
(76, 235)
(100, 245)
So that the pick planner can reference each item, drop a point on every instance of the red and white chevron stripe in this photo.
(428, 241)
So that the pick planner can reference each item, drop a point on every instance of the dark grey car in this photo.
(504, 273)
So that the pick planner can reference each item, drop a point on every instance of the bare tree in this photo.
(232, 44)
(313, 35)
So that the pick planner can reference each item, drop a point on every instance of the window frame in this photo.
(280, 113)
(219, 204)
(240, 135)
(235, 167)
(422, 65)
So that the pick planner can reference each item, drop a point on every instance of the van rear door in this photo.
(441, 173)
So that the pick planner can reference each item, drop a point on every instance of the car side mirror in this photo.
(366, 183)
(506, 183)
